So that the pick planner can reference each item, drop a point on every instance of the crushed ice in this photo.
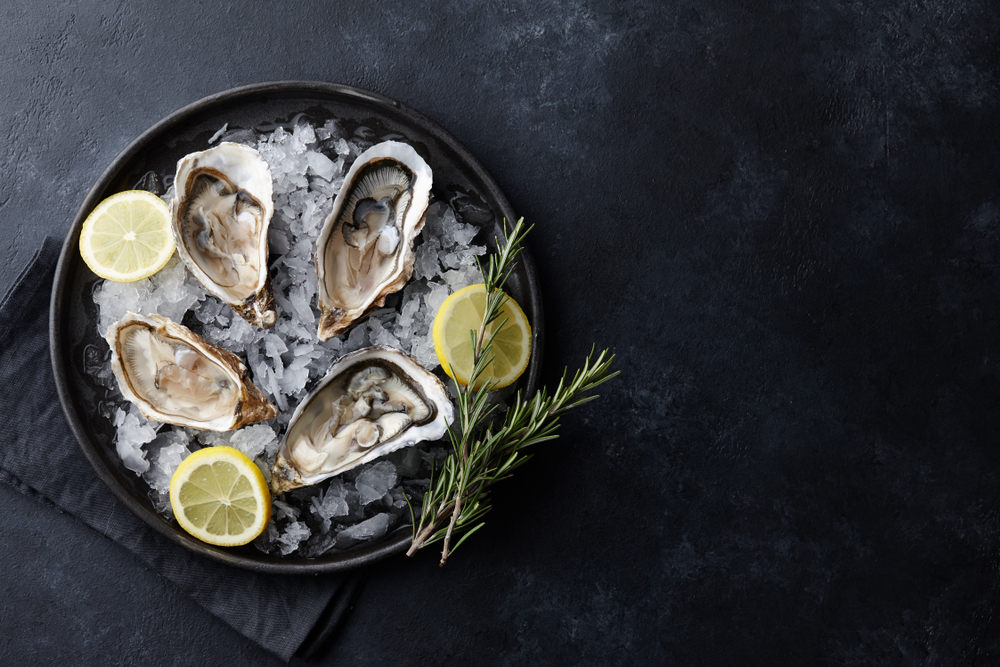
(308, 165)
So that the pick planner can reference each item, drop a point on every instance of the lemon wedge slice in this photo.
(127, 236)
(463, 312)
(220, 496)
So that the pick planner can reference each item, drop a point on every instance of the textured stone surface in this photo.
(783, 217)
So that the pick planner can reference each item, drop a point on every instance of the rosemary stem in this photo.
(442, 515)
(480, 336)
(455, 512)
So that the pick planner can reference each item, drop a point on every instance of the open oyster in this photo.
(173, 375)
(365, 250)
(220, 213)
(372, 402)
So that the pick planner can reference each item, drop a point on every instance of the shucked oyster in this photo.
(175, 376)
(220, 213)
(365, 250)
(372, 402)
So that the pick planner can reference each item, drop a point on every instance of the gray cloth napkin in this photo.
(287, 615)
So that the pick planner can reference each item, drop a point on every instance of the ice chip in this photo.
(450, 260)
(291, 536)
(462, 235)
(253, 440)
(284, 510)
(164, 454)
(437, 296)
(321, 164)
(333, 503)
(131, 454)
(303, 136)
(366, 531)
(425, 259)
(357, 339)
(375, 482)
(410, 307)
(275, 347)
(133, 432)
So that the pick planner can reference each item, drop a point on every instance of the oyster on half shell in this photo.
(222, 206)
(372, 402)
(173, 375)
(365, 250)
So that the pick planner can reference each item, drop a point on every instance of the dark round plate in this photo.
(459, 178)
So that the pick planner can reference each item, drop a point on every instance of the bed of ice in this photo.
(308, 165)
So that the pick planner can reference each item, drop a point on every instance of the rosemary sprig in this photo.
(482, 454)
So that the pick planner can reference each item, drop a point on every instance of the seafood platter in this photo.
(305, 343)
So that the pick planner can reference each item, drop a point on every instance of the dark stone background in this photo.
(783, 217)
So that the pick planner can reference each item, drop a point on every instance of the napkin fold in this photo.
(286, 615)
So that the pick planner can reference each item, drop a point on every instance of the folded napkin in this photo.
(287, 615)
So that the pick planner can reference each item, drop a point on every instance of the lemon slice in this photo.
(220, 496)
(127, 236)
(462, 312)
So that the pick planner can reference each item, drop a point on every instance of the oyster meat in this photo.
(173, 375)
(221, 209)
(365, 249)
(372, 402)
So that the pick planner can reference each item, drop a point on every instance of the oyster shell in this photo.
(173, 375)
(365, 250)
(372, 402)
(221, 209)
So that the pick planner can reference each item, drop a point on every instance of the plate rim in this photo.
(394, 545)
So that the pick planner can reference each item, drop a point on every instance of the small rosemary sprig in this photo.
(458, 498)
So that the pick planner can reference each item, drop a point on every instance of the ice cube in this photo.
(253, 440)
(366, 531)
(425, 259)
(333, 503)
(293, 534)
(436, 297)
(375, 481)
(321, 164)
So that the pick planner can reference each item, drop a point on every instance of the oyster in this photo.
(365, 250)
(372, 402)
(173, 375)
(220, 213)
